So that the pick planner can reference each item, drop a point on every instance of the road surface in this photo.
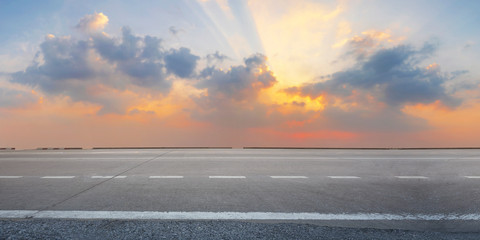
(436, 190)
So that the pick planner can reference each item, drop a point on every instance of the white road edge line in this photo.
(344, 177)
(411, 177)
(226, 177)
(19, 214)
(79, 158)
(288, 177)
(165, 177)
(472, 177)
(57, 177)
(11, 176)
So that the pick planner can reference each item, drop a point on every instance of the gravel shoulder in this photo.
(141, 229)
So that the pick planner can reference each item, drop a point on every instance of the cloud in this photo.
(174, 31)
(100, 69)
(468, 45)
(109, 49)
(12, 98)
(216, 57)
(241, 82)
(298, 104)
(65, 66)
(371, 95)
(63, 59)
(232, 96)
(152, 48)
(364, 45)
(92, 23)
(391, 75)
(139, 58)
(181, 62)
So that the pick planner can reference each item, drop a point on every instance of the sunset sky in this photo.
(303, 73)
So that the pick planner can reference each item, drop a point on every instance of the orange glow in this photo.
(296, 40)
(182, 120)
(133, 86)
(426, 110)
(288, 103)
(323, 135)
(301, 136)
(379, 35)
(294, 123)
(450, 125)
(40, 98)
(370, 39)
(432, 66)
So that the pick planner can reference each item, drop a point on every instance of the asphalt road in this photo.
(434, 190)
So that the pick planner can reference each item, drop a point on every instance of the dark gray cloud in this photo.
(152, 49)
(207, 72)
(256, 61)
(241, 82)
(126, 50)
(12, 98)
(458, 73)
(298, 104)
(139, 58)
(232, 95)
(384, 61)
(216, 57)
(174, 31)
(468, 45)
(181, 62)
(391, 75)
(370, 95)
(63, 59)
(70, 67)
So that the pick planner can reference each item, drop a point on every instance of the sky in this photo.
(218, 73)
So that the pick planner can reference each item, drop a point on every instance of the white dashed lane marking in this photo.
(226, 177)
(288, 177)
(473, 177)
(411, 177)
(57, 177)
(343, 177)
(108, 176)
(165, 177)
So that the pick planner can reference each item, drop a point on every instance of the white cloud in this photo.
(92, 23)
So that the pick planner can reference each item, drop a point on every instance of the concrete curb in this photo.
(7, 149)
(326, 148)
(67, 148)
(104, 148)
